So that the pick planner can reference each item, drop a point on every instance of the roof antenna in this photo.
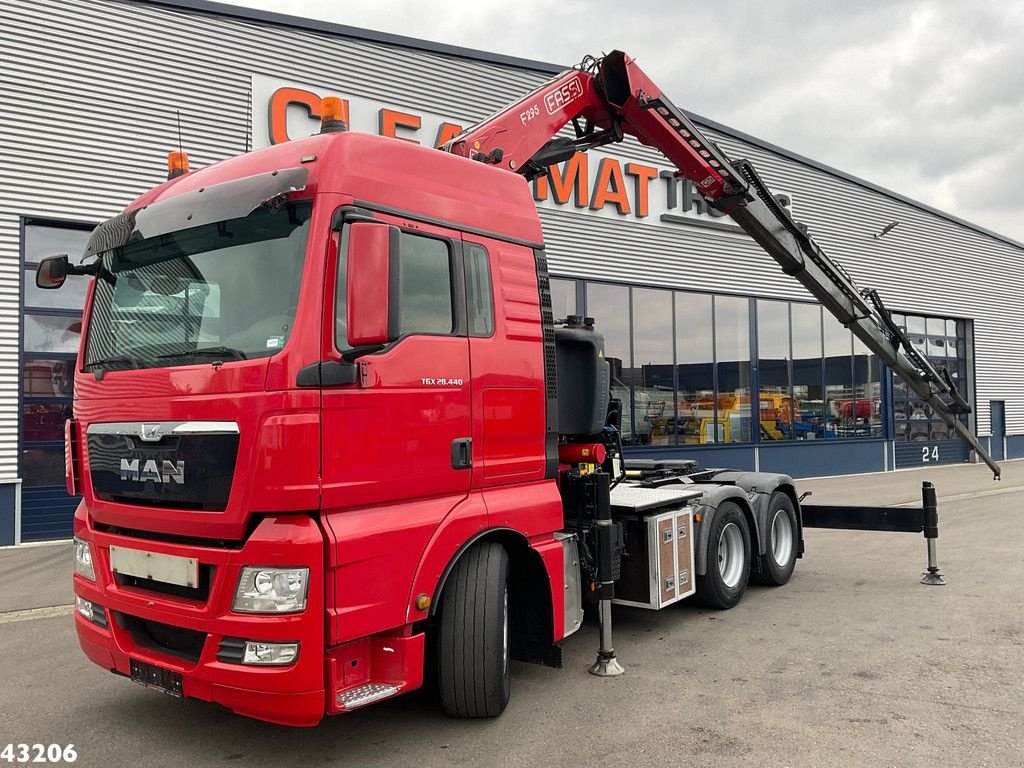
(177, 114)
(248, 123)
(177, 162)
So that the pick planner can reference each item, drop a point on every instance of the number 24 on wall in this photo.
(930, 454)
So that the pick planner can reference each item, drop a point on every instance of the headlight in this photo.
(271, 590)
(83, 559)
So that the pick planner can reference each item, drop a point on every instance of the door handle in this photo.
(462, 454)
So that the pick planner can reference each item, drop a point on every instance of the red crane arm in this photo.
(603, 98)
(609, 97)
(513, 137)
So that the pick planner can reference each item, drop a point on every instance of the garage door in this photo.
(923, 439)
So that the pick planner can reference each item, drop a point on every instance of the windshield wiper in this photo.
(231, 352)
(110, 361)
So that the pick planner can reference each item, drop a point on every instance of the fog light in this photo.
(83, 559)
(91, 611)
(270, 653)
(84, 607)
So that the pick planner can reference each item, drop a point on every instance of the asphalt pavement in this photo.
(853, 663)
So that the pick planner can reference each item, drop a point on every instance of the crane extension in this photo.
(923, 519)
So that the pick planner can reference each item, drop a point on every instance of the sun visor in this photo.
(207, 205)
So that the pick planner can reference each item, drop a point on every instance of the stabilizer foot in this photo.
(606, 665)
(932, 577)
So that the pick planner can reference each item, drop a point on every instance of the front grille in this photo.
(200, 592)
(186, 471)
(192, 541)
(188, 506)
(183, 643)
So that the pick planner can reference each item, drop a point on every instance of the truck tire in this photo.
(728, 559)
(473, 643)
(779, 558)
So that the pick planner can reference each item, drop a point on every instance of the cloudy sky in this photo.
(924, 97)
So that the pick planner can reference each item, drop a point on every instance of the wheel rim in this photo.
(782, 538)
(730, 554)
(504, 637)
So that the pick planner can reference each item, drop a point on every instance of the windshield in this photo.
(224, 291)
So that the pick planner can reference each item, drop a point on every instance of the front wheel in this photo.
(473, 642)
(779, 559)
(728, 568)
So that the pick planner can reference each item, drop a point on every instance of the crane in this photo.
(610, 97)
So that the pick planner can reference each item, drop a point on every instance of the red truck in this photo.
(323, 412)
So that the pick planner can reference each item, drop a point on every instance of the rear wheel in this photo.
(473, 642)
(728, 567)
(779, 559)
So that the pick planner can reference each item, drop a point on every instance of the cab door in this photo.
(403, 431)
(396, 452)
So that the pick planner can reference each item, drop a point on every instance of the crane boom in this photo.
(605, 99)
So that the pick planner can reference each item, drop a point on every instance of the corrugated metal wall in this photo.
(89, 88)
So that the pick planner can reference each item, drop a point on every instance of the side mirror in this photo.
(52, 272)
(368, 282)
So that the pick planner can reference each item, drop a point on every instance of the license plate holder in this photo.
(159, 679)
(170, 569)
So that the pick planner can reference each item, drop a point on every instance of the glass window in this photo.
(43, 466)
(609, 306)
(840, 407)
(186, 296)
(867, 379)
(653, 389)
(48, 378)
(47, 375)
(563, 298)
(44, 421)
(776, 402)
(732, 361)
(695, 369)
(808, 395)
(42, 241)
(45, 333)
(71, 295)
(425, 302)
(479, 295)
(915, 324)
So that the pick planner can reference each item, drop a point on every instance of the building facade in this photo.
(716, 354)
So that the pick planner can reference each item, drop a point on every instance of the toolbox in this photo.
(657, 565)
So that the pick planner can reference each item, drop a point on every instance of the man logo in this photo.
(150, 432)
(167, 473)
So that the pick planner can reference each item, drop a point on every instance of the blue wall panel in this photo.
(46, 513)
(926, 453)
(7, 514)
(815, 458)
(1015, 446)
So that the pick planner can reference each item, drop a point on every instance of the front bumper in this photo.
(183, 632)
